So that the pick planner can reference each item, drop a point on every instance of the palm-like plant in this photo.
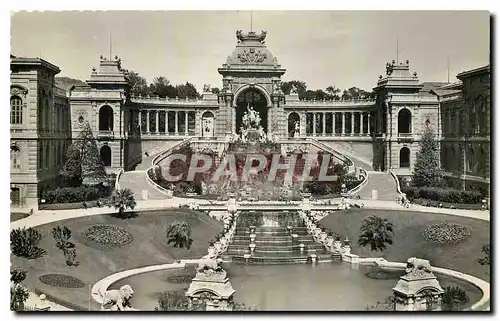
(122, 200)
(376, 231)
(179, 233)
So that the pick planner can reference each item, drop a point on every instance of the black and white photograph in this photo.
(250, 160)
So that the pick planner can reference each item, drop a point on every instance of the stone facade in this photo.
(40, 129)
(385, 131)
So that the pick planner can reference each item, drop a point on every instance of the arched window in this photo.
(404, 121)
(15, 157)
(404, 157)
(106, 118)
(293, 125)
(106, 155)
(16, 110)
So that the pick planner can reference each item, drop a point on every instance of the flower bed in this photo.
(62, 281)
(108, 235)
(446, 233)
(177, 279)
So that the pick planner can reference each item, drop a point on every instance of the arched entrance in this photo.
(106, 155)
(293, 125)
(207, 124)
(106, 118)
(252, 97)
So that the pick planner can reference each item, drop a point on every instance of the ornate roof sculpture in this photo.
(398, 75)
(251, 53)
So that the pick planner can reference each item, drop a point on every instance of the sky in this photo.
(322, 48)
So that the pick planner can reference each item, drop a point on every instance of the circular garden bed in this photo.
(62, 281)
(446, 233)
(111, 235)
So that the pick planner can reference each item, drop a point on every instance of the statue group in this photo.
(251, 129)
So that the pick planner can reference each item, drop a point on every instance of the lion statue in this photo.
(418, 267)
(117, 300)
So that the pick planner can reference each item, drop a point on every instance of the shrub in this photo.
(176, 301)
(449, 195)
(61, 237)
(75, 194)
(24, 243)
(18, 293)
(453, 298)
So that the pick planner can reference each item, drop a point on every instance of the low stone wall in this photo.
(482, 305)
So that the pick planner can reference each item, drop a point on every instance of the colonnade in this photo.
(161, 121)
(337, 123)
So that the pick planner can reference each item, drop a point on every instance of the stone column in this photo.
(368, 124)
(333, 124)
(352, 123)
(147, 121)
(157, 122)
(343, 124)
(324, 124)
(139, 115)
(186, 123)
(176, 122)
(361, 123)
(233, 119)
(314, 124)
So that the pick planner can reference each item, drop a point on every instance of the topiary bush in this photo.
(454, 298)
(62, 281)
(446, 233)
(111, 235)
(24, 243)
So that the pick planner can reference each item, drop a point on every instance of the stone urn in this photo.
(252, 247)
(295, 238)
(301, 246)
(314, 258)
(290, 229)
(217, 246)
(252, 237)
(252, 229)
(246, 257)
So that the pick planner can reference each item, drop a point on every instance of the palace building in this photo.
(378, 135)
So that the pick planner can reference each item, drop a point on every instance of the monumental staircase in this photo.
(275, 244)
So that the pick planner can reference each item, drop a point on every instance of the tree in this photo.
(138, 84)
(286, 87)
(24, 243)
(62, 239)
(376, 231)
(179, 233)
(427, 170)
(485, 260)
(188, 90)
(84, 163)
(122, 200)
(18, 293)
(333, 92)
(215, 90)
(161, 86)
(72, 169)
(93, 171)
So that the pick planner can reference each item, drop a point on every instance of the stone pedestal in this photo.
(211, 286)
(418, 289)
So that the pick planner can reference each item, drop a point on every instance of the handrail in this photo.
(362, 184)
(117, 179)
(398, 187)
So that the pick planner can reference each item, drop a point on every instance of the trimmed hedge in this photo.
(76, 194)
(448, 195)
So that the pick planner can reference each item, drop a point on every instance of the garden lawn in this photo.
(409, 242)
(149, 247)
